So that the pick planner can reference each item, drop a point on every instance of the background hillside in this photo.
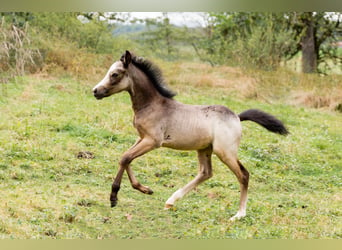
(261, 48)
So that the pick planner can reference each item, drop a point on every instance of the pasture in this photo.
(60, 147)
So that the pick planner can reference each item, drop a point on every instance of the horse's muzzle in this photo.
(98, 97)
(98, 94)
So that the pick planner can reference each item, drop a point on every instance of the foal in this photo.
(163, 122)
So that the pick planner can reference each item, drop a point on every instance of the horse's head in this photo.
(116, 79)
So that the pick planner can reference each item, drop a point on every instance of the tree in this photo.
(260, 39)
(309, 44)
(161, 35)
(266, 39)
(317, 32)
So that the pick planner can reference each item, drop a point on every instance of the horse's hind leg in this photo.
(205, 172)
(230, 159)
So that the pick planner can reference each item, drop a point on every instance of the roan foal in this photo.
(163, 122)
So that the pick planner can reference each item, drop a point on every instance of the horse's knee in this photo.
(125, 160)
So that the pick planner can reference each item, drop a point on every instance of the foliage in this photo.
(265, 39)
(91, 33)
(326, 32)
(161, 37)
(259, 40)
(253, 38)
(55, 42)
(18, 19)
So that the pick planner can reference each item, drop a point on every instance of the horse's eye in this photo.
(115, 75)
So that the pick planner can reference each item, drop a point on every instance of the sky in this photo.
(190, 19)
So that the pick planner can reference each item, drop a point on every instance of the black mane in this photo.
(154, 74)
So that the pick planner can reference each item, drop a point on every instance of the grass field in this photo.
(49, 189)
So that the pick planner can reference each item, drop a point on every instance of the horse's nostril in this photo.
(95, 91)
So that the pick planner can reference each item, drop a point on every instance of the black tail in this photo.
(266, 120)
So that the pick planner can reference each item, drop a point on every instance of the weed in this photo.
(69, 214)
(86, 203)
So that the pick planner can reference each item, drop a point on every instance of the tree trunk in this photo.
(309, 48)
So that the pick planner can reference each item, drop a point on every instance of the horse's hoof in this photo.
(168, 206)
(146, 190)
(238, 216)
(149, 191)
(113, 203)
(143, 189)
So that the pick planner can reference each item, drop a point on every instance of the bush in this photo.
(56, 43)
(249, 39)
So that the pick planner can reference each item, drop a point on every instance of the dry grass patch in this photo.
(281, 86)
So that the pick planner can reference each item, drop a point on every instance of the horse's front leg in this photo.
(141, 147)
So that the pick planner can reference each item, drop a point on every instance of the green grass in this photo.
(48, 192)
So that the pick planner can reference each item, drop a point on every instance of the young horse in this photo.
(163, 122)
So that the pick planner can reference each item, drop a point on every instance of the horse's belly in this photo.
(187, 139)
(185, 145)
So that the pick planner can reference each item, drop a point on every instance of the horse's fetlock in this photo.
(115, 188)
(136, 185)
(113, 202)
(113, 199)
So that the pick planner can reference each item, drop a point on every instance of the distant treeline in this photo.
(31, 42)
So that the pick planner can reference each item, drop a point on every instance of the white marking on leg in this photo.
(174, 197)
(239, 215)
(242, 210)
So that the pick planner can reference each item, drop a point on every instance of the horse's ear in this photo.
(126, 59)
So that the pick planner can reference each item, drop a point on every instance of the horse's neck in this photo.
(142, 93)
